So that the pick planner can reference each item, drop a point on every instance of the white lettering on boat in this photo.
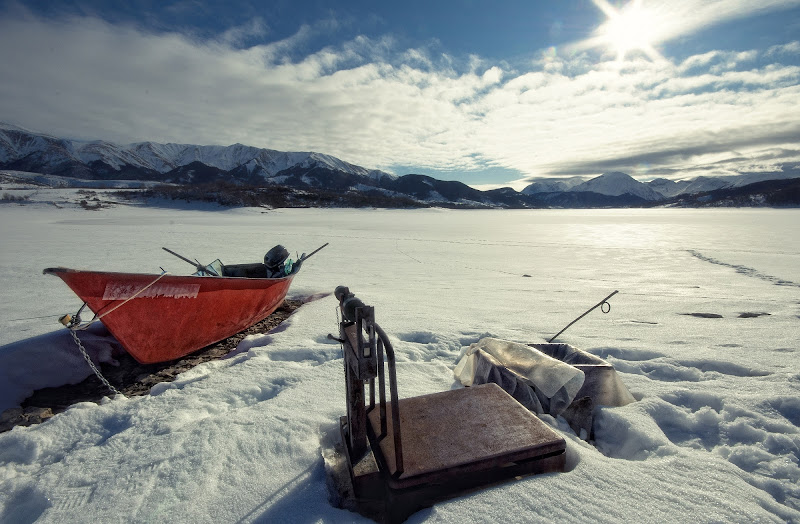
(126, 290)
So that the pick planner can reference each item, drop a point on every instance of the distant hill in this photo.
(769, 193)
(669, 188)
(618, 184)
(658, 190)
(310, 178)
(552, 185)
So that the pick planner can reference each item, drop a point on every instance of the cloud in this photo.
(751, 148)
(373, 104)
(238, 36)
(676, 18)
(790, 49)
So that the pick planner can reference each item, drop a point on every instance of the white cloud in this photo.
(492, 75)
(676, 18)
(791, 49)
(369, 103)
(236, 36)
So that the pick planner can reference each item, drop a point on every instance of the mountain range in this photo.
(239, 165)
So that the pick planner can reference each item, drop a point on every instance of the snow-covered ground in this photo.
(713, 437)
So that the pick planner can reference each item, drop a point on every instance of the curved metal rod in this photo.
(398, 447)
(381, 389)
(602, 302)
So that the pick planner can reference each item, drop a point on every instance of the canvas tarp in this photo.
(537, 381)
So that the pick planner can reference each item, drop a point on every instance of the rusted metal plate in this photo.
(464, 431)
(365, 368)
(351, 332)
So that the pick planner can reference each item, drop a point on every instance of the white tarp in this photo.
(537, 381)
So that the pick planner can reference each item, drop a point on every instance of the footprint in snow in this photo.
(419, 337)
(627, 354)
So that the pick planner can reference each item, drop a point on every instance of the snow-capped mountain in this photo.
(552, 185)
(24, 150)
(617, 184)
(668, 188)
(703, 183)
(309, 178)
(609, 184)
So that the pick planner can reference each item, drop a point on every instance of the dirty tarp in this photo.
(602, 384)
(537, 381)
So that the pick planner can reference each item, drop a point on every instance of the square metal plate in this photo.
(464, 431)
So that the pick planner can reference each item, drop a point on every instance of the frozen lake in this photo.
(714, 433)
(656, 254)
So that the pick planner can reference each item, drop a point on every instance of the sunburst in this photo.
(628, 30)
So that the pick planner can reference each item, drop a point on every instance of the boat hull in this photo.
(175, 315)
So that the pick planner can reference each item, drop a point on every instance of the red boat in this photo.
(158, 318)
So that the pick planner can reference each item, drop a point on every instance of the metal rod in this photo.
(604, 301)
(382, 390)
(306, 257)
(398, 443)
(197, 265)
(371, 394)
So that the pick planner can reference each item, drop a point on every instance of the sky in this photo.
(491, 93)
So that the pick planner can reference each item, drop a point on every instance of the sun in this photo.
(628, 30)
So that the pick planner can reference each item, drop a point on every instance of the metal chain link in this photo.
(74, 324)
(91, 364)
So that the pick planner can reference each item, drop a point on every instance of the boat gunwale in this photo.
(56, 270)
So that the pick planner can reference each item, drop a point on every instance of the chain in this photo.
(91, 364)
(74, 324)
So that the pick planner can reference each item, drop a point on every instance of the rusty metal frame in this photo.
(446, 453)
(365, 345)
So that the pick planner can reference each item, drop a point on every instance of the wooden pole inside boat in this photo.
(197, 265)
(306, 257)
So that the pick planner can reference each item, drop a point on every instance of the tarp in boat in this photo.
(556, 379)
(537, 381)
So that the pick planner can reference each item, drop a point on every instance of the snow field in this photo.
(713, 436)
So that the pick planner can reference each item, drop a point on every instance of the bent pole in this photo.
(601, 303)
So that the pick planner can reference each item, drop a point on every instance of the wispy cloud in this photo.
(675, 18)
(371, 103)
(238, 36)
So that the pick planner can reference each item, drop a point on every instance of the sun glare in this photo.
(628, 30)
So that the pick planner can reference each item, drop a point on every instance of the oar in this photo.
(197, 265)
(306, 257)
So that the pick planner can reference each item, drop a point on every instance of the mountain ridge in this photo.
(24, 150)
(617, 183)
(242, 165)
